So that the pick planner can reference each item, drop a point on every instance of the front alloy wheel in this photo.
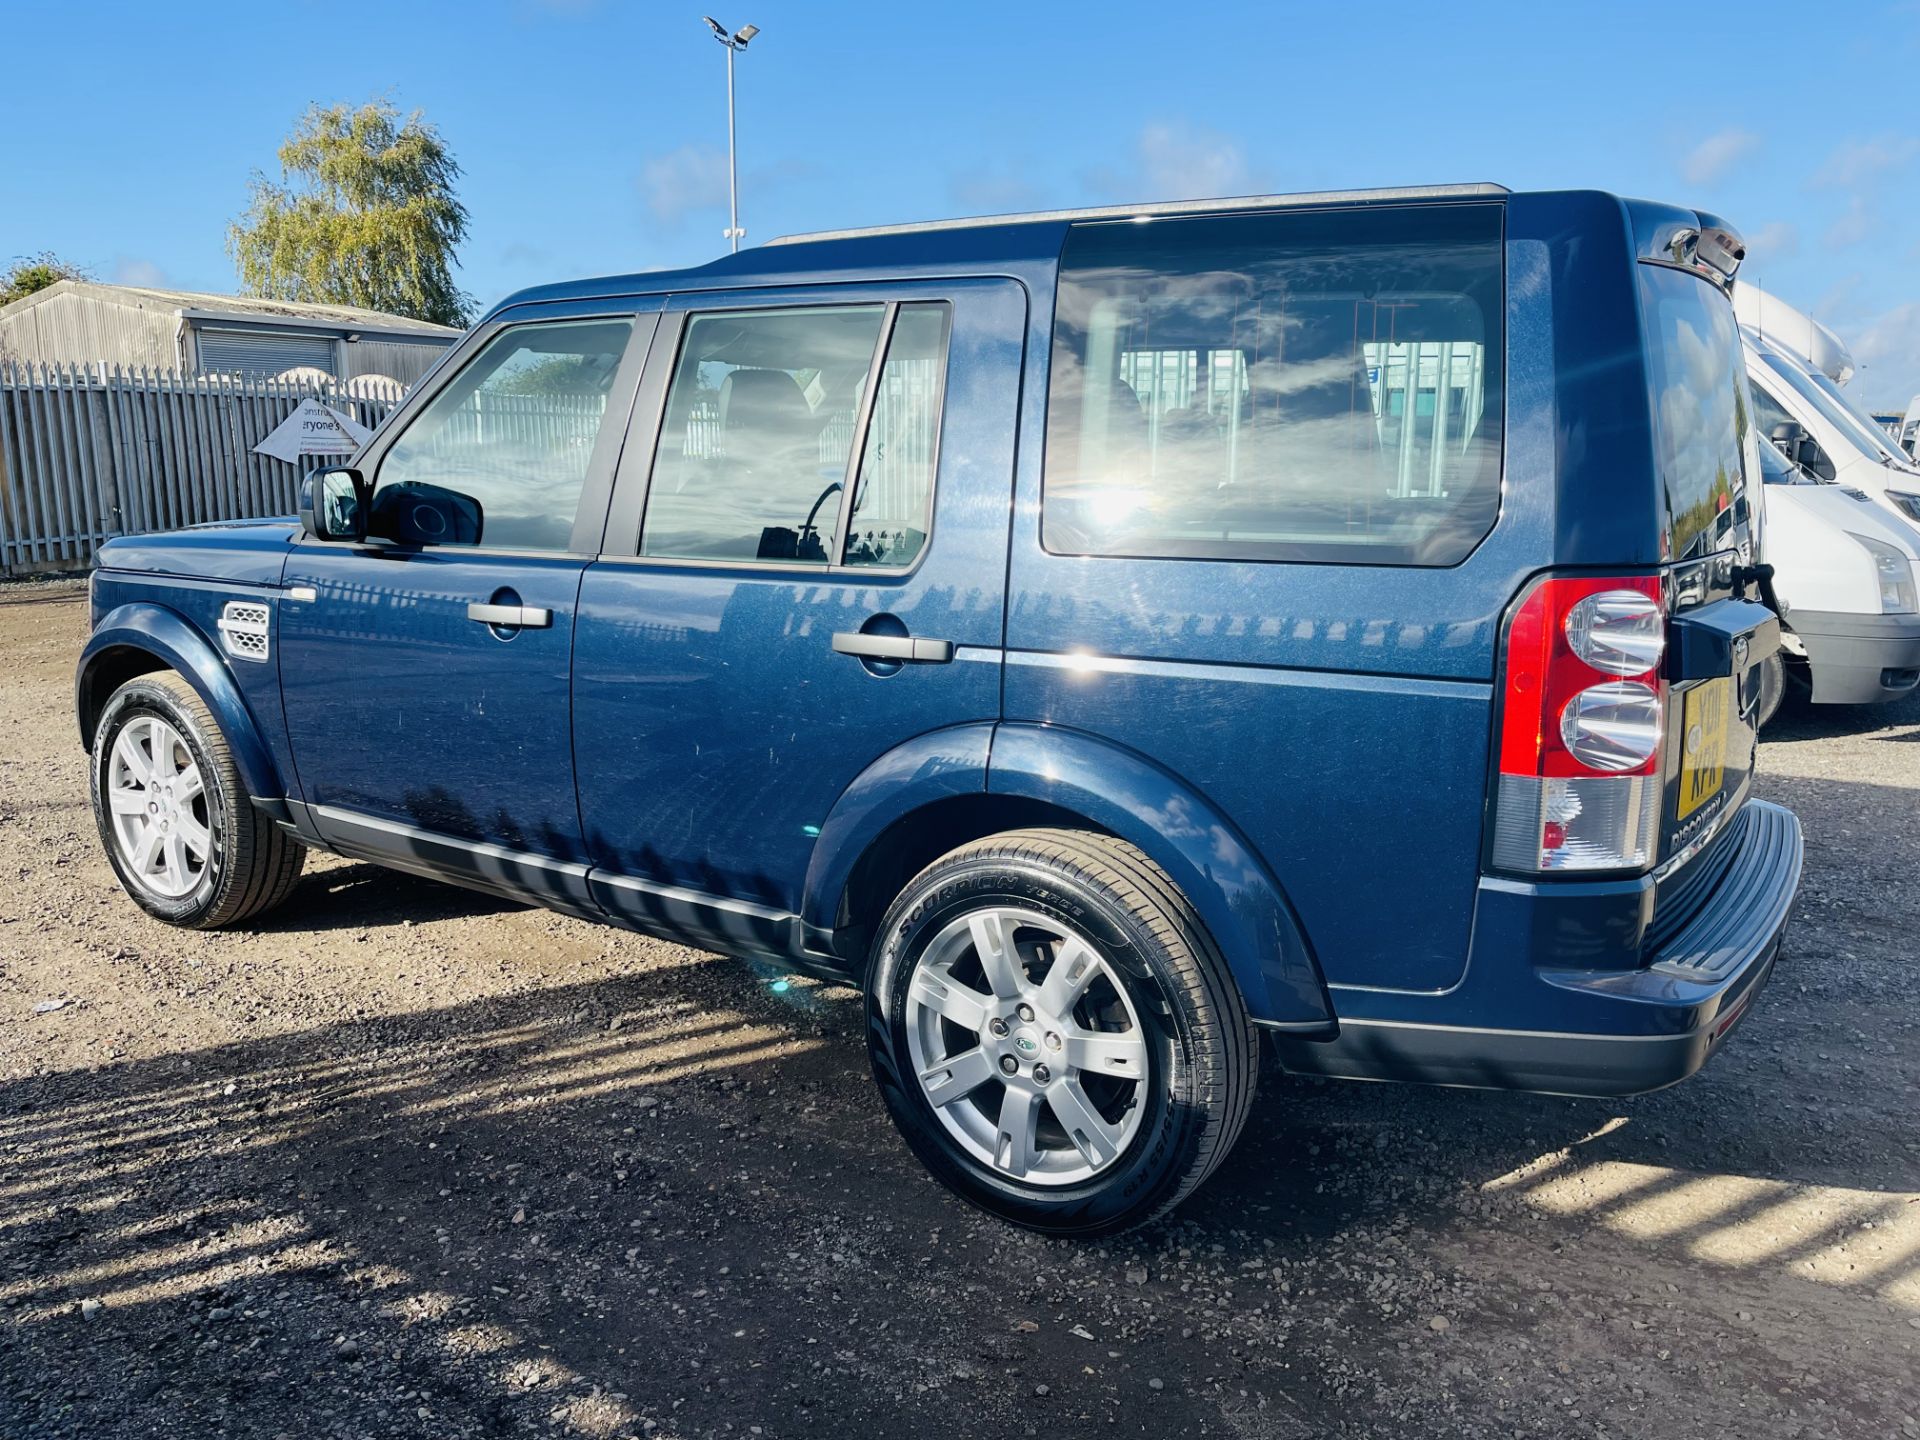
(182, 833)
(158, 802)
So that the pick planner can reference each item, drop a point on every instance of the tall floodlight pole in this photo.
(735, 40)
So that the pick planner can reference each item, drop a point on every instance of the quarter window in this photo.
(1321, 386)
(893, 498)
(499, 457)
(760, 433)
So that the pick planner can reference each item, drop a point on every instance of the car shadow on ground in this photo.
(361, 896)
(599, 1204)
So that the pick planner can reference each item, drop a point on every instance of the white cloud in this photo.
(1774, 241)
(1852, 226)
(130, 270)
(1887, 350)
(1185, 162)
(1714, 156)
(992, 190)
(1175, 160)
(694, 177)
(1855, 163)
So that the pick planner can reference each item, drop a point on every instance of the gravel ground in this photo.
(412, 1162)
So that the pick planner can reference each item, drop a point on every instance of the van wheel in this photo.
(183, 838)
(1056, 1034)
(1773, 690)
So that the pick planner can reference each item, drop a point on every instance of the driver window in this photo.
(499, 457)
(759, 425)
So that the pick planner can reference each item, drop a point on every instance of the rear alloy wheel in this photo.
(1055, 1033)
(1038, 1079)
(181, 833)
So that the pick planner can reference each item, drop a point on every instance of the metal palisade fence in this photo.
(87, 453)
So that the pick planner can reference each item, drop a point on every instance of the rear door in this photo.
(1708, 447)
(805, 567)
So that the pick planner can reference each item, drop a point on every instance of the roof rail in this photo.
(1161, 207)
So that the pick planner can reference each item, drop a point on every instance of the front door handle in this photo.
(511, 617)
(893, 647)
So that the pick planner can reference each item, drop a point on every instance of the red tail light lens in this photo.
(1582, 719)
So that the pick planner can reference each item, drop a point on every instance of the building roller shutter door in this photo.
(262, 352)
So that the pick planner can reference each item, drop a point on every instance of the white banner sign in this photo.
(312, 429)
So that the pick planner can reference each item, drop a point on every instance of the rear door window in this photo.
(1321, 386)
(763, 422)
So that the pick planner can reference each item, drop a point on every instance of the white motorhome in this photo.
(1806, 364)
(1846, 572)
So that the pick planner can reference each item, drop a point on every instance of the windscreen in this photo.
(1834, 413)
(1702, 412)
(1869, 429)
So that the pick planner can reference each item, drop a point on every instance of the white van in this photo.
(1846, 572)
(1805, 364)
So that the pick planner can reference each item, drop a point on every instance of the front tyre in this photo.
(1056, 1034)
(179, 830)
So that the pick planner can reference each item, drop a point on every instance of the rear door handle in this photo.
(893, 647)
(511, 617)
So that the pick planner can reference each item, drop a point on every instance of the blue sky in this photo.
(592, 132)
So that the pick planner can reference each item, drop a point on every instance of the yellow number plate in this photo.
(1703, 743)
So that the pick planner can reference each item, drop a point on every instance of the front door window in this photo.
(499, 457)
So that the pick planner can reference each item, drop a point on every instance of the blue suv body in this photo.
(1321, 614)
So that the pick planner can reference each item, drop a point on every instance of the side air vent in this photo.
(243, 629)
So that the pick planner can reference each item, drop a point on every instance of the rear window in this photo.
(1702, 412)
(1317, 386)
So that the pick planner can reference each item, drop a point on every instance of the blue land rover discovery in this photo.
(1103, 636)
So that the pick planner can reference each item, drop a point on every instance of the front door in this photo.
(819, 576)
(426, 672)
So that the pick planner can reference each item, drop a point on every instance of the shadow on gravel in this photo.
(675, 1198)
(1802, 721)
(360, 896)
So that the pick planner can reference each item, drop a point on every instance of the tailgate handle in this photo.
(1722, 638)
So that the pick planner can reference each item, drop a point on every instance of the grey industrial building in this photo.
(85, 323)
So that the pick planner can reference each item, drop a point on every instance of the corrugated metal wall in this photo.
(85, 330)
(405, 361)
(79, 330)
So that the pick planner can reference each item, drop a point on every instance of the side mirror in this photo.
(1793, 441)
(412, 512)
(333, 504)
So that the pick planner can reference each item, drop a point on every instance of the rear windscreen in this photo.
(1321, 386)
(1701, 411)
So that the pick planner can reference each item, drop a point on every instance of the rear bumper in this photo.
(1637, 1029)
(1859, 659)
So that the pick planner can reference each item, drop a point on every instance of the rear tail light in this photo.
(1582, 719)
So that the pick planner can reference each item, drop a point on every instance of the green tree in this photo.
(364, 214)
(36, 272)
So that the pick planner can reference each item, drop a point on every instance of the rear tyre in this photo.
(1773, 690)
(1055, 1033)
(179, 830)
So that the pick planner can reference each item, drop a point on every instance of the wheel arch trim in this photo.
(171, 640)
(1237, 896)
(927, 769)
(1109, 789)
